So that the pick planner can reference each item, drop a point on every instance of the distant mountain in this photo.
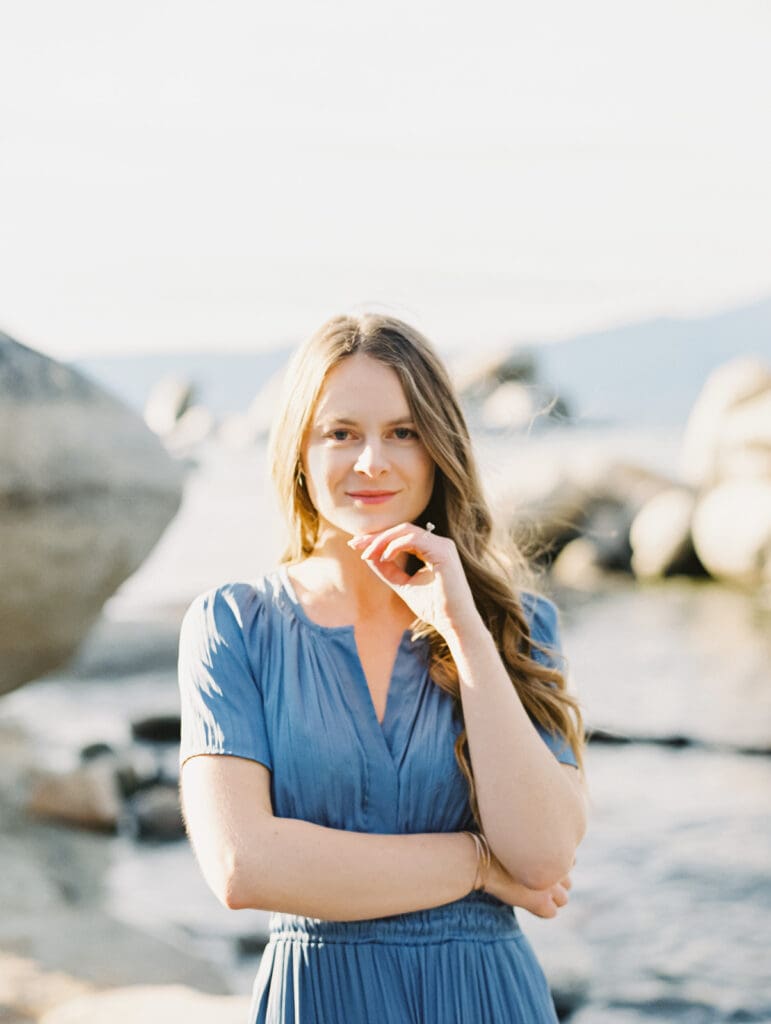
(646, 374)
(225, 382)
(651, 373)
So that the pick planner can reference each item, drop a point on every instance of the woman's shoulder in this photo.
(540, 611)
(240, 602)
(543, 619)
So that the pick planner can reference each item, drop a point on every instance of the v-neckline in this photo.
(350, 632)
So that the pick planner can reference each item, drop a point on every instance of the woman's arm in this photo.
(533, 808)
(251, 859)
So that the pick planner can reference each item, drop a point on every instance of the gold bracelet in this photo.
(484, 858)
(478, 850)
(487, 859)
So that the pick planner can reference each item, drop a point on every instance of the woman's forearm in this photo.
(252, 859)
(532, 813)
(296, 867)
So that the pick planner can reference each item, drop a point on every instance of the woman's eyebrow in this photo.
(354, 423)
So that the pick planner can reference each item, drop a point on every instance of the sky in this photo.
(180, 175)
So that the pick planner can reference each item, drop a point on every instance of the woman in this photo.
(353, 722)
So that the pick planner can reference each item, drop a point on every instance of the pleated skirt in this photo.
(467, 962)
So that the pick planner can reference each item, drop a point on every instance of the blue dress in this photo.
(260, 680)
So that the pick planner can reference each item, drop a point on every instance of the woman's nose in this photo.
(371, 460)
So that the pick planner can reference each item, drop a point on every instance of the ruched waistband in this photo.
(477, 917)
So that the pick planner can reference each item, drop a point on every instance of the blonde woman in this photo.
(377, 741)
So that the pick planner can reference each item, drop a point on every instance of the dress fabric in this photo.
(260, 680)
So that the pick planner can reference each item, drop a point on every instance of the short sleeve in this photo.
(221, 702)
(543, 618)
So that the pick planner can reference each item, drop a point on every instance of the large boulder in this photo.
(745, 443)
(553, 501)
(725, 394)
(85, 492)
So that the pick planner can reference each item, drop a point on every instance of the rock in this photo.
(138, 768)
(732, 531)
(726, 389)
(545, 513)
(193, 427)
(597, 498)
(578, 565)
(606, 524)
(151, 1004)
(744, 447)
(88, 796)
(660, 535)
(477, 377)
(156, 814)
(135, 768)
(511, 406)
(96, 750)
(85, 492)
(169, 399)
(157, 729)
(27, 990)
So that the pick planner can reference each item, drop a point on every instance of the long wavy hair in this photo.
(496, 570)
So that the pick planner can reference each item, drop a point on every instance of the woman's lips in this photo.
(371, 497)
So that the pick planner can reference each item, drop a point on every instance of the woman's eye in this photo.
(339, 435)
(404, 433)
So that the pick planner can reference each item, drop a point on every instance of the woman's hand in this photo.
(438, 593)
(541, 902)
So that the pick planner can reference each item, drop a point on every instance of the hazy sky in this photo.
(179, 174)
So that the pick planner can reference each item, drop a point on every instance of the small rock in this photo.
(138, 768)
(157, 729)
(732, 531)
(660, 535)
(88, 796)
(511, 406)
(169, 399)
(578, 565)
(191, 429)
(156, 814)
(606, 524)
(95, 750)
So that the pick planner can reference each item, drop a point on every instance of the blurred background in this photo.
(571, 201)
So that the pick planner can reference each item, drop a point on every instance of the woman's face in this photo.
(365, 466)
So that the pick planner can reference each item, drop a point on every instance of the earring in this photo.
(301, 479)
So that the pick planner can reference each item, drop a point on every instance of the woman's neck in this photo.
(336, 583)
